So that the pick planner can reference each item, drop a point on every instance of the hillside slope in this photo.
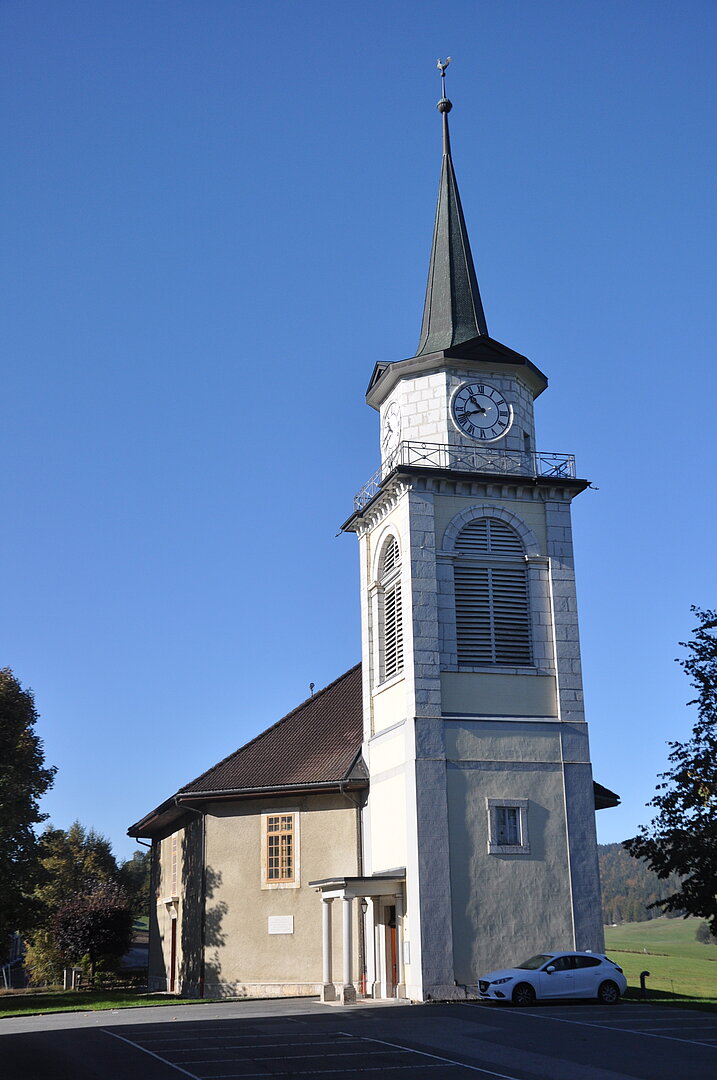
(628, 886)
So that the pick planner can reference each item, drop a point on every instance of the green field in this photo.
(28, 1003)
(667, 948)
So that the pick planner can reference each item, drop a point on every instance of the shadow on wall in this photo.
(214, 936)
(200, 918)
(158, 975)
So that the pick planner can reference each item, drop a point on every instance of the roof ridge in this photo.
(272, 727)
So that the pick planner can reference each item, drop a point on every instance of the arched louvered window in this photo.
(492, 602)
(391, 647)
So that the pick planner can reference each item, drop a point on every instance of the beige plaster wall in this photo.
(160, 923)
(240, 954)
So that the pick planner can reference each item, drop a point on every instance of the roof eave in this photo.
(478, 354)
(152, 825)
(577, 484)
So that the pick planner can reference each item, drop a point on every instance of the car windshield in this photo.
(536, 961)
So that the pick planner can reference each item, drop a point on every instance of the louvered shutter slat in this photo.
(492, 602)
(489, 536)
(392, 632)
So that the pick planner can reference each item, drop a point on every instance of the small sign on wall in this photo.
(281, 924)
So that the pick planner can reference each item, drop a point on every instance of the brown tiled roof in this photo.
(316, 743)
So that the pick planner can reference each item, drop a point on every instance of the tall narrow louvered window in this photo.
(492, 603)
(391, 660)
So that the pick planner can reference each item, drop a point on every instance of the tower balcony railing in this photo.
(470, 459)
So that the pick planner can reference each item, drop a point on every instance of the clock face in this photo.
(391, 434)
(481, 411)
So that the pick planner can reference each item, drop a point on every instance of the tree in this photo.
(24, 778)
(43, 960)
(134, 875)
(682, 838)
(704, 935)
(74, 862)
(97, 925)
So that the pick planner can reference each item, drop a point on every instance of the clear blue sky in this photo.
(217, 218)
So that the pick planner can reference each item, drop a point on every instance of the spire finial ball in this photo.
(444, 105)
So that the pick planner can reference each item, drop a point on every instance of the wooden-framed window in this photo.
(492, 598)
(508, 826)
(280, 849)
(391, 611)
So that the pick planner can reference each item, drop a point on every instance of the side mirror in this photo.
(549, 969)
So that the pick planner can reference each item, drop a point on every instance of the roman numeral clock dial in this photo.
(481, 411)
(391, 429)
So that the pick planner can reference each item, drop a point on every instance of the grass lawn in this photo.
(29, 1003)
(679, 966)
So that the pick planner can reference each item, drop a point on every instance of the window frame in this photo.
(293, 882)
(494, 845)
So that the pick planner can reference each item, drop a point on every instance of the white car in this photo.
(550, 976)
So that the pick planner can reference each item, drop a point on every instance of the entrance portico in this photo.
(381, 951)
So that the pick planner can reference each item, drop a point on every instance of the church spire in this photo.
(453, 311)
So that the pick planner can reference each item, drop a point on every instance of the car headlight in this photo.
(497, 982)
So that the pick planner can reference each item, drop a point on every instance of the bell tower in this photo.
(481, 787)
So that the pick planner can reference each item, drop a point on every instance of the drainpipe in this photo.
(359, 865)
(203, 917)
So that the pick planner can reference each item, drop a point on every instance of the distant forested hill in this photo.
(628, 886)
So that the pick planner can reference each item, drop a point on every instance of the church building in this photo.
(430, 815)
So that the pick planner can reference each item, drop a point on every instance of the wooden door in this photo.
(391, 954)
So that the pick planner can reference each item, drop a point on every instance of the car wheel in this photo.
(608, 992)
(524, 994)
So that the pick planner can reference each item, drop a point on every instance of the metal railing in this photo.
(471, 459)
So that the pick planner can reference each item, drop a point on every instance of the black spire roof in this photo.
(453, 312)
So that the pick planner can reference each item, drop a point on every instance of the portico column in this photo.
(348, 990)
(378, 930)
(400, 973)
(328, 990)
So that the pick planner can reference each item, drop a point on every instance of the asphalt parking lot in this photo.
(304, 1040)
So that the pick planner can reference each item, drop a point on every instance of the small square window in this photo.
(508, 826)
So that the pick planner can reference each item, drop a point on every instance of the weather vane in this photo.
(442, 65)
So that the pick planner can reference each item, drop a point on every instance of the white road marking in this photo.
(151, 1054)
(246, 1046)
(254, 1045)
(436, 1057)
(286, 1057)
(323, 1072)
(345, 1040)
(605, 1027)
